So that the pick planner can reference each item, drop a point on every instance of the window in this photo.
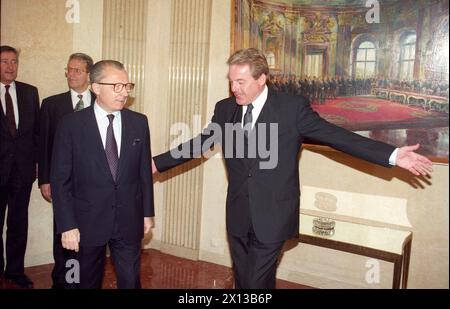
(366, 59)
(270, 59)
(437, 66)
(407, 57)
(314, 65)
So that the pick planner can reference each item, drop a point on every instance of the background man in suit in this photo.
(52, 110)
(101, 181)
(19, 128)
(262, 208)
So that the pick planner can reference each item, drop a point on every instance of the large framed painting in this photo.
(379, 68)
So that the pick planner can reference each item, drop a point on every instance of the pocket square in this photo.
(136, 141)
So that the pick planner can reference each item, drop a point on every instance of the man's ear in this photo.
(262, 79)
(95, 88)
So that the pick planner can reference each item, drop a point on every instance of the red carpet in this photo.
(366, 113)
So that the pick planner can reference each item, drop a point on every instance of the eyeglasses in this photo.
(6, 62)
(118, 87)
(74, 70)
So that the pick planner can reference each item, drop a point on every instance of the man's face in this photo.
(107, 98)
(77, 75)
(8, 67)
(244, 87)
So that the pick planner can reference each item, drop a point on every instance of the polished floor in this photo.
(159, 271)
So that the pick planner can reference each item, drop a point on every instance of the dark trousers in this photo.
(14, 196)
(254, 263)
(126, 259)
(60, 256)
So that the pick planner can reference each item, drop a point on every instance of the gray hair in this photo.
(97, 70)
(83, 57)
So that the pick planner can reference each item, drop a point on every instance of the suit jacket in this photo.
(20, 152)
(268, 198)
(85, 195)
(53, 109)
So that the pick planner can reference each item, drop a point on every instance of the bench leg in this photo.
(406, 258)
(397, 273)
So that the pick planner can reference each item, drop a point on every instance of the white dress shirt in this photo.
(103, 122)
(258, 105)
(86, 97)
(13, 94)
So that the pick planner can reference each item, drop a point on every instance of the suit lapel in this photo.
(92, 133)
(22, 108)
(236, 120)
(3, 124)
(67, 106)
(237, 114)
(269, 115)
(125, 142)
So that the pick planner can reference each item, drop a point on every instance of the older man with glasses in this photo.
(101, 180)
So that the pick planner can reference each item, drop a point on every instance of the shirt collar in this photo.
(261, 99)
(86, 95)
(102, 114)
(13, 85)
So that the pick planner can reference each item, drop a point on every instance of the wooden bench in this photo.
(382, 243)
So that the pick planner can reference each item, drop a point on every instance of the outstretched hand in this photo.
(413, 162)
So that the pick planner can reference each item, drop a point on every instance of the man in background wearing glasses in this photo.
(101, 180)
(52, 111)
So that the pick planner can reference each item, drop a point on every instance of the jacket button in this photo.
(249, 175)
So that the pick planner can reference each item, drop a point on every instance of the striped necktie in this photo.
(111, 148)
(80, 104)
(10, 119)
(248, 119)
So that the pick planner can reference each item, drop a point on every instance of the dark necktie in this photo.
(80, 104)
(248, 119)
(10, 119)
(111, 148)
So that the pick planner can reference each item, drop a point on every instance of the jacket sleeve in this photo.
(311, 125)
(193, 148)
(44, 144)
(35, 99)
(61, 179)
(146, 177)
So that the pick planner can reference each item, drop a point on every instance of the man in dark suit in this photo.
(262, 207)
(52, 110)
(19, 128)
(101, 180)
